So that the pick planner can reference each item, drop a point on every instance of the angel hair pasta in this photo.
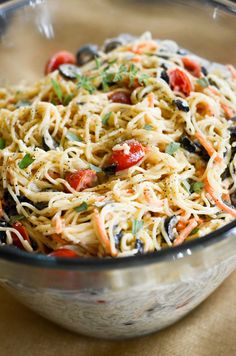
(118, 151)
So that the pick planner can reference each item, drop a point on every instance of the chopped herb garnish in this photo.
(98, 62)
(197, 187)
(95, 168)
(148, 127)
(172, 148)
(81, 207)
(85, 83)
(136, 226)
(71, 136)
(106, 118)
(195, 231)
(203, 82)
(132, 74)
(107, 78)
(67, 99)
(57, 89)
(112, 62)
(143, 78)
(15, 218)
(26, 161)
(2, 143)
(120, 74)
(22, 103)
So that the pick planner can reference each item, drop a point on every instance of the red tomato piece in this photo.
(192, 66)
(57, 59)
(24, 233)
(81, 180)
(180, 82)
(123, 160)
(120, 97)
(63, 252)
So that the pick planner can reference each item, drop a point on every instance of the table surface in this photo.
(208, 330)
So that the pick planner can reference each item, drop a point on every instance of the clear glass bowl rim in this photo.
(94, 264)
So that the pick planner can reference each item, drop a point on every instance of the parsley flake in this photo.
(2, 143)
(81, 207)
(172, 148)
(15, 218)
(98, 62)
(71, 136)
(203, 82)
(194, 231)
(57, 89)
(85, 83)
(148, 127)
(132, 74)
(136, 226)
(143, 78)
(26, 161)
(106, 118)
(197, 187)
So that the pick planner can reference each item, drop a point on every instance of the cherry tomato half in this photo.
(63, 252)
(123, 160)
(120, 97)
(24, 233)
(192, 66)
(81, 180)
(57, 59)
(180, 82)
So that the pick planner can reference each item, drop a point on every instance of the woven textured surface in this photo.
(209, 330)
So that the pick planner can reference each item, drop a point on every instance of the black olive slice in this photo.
(165, 76)
(69, 71)
(188, 145)
(182, 105)
(86, 54)
(139, 245)
(111, 45)
(49, 144)
(110, 170)
(169, 225)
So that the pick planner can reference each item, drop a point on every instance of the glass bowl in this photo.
(115, 298)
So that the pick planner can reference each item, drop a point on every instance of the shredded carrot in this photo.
(213, 90)
(232, 70)
(210, 150)
(218, 201)
(181, 225)
(136, 59)
(226, 197)
(186, 232)
(57, 238)
(102, 234)
(151, 98)
(205, 109)
(227, 110)
(199, 220)
(144, 46)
